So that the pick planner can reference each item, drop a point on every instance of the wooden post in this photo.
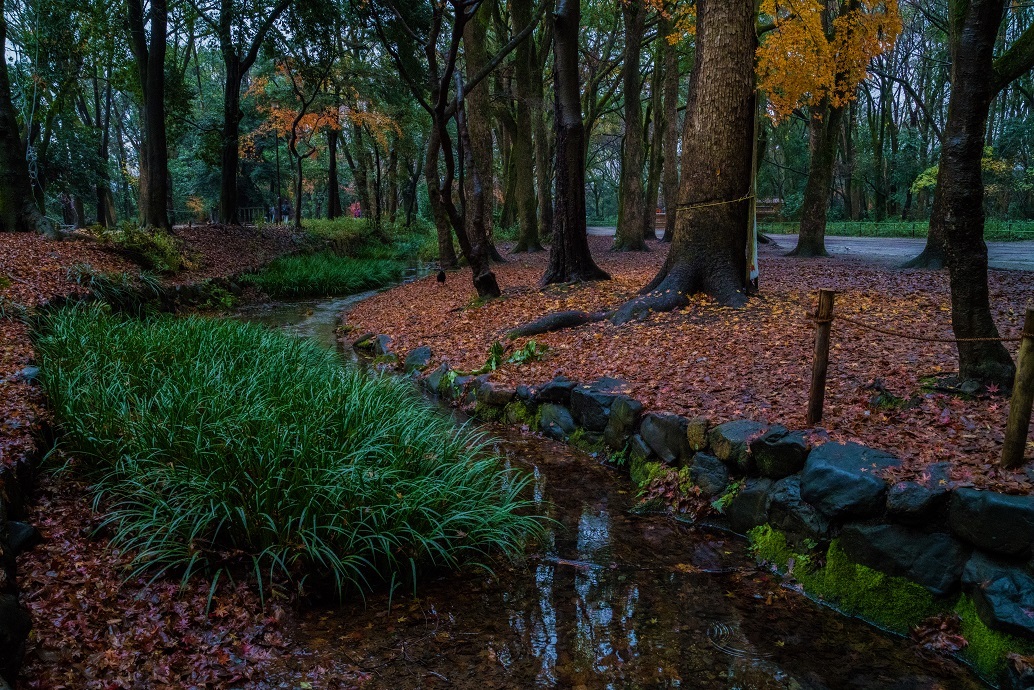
(1022, 398)
(824, 321)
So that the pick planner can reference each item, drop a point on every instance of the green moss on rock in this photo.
(520, 412)
(988, 649)
(587, 442)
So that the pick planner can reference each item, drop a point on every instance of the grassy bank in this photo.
(322, 274)
(216, 446)
(999, 230)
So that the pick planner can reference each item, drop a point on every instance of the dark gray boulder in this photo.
(843, 479)
(22, 536)
(1005, 602)
(934, 561)
(779, 452)
(638, 451)
(730, 442)
(915, 503)
(433, 381)
(557, 391)
(494, 394)
(789, 513)
(624, 417)
(28, 374)
(709, 473)
(666, 435)
(556, 421)
(992, 521)
(591, 403)
(525, 393)
(696, 432)
(382, 345)
(418, 359)
(749, 508)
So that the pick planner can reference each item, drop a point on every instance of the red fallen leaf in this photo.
(941, 634)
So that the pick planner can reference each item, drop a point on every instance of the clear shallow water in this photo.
(608, 600)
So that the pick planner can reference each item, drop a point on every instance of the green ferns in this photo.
(215, 444)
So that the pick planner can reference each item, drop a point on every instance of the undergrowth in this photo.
(219, 448)
(322, 274)
(155, 249)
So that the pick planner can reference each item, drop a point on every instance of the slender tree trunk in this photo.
(18, 212)
(569, 257)
(671, 141)
(154, 152)
(392, 202)
(333, 192)
(659, 126)
(709, 249)
(824, 135)
(539, 116)
(523, 151)
(442, 223)
(632, 203)
(230, 153)
(960, 190)
(360, 175)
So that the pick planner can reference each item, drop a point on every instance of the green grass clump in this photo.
(216, 445)
(322, 274)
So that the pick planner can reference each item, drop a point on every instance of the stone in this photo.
(494, 394)
(28, 374)
(556, 421)
(22, 537)
(524, 393)
(666, 436)
(624, 416)
(433, 381)
(590, 407)
(519, 412)
(363, 342)
(382, 345)
(992, 521)
(15, 624)
(790, 514)
(418, 359)
(749, 508)
(914, 503)
(557, 391)
(638, 451)
(779, 452)
(709, 473)
(696, 433)
(842, 479)
(729, 441)
(934, 560)
(1018, 675)
(460, 389)
(1005, 602)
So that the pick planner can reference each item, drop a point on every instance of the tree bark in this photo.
(149, 51)
(523, 151)
(333, 192)
(659, 126)
(442, 223)
(960, 188)
(670, 175)
(709, 248)
(632, 201)
(539, 115)
(824, 134)
(569, 257)
(18, 211)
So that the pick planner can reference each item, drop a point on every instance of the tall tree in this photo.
(670, 138)
(631, 198)
(523, 147)
(709, 250)
(18, 211)
(147, 38)
(569, 257)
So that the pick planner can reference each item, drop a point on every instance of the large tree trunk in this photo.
(539, 115)
(709, 249)
(824, 135)
(392, 200)
(333, 191)
(659, 126)
(442, 223)
(569, 257)
(230, 150)
(154, 152)
(360, 174)
(18, 212)
(523, 151)
(670, 175)
(960, 189)
(631, 200)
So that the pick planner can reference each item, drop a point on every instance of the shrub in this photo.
(216, 444)
(325, 273)
(153, 248)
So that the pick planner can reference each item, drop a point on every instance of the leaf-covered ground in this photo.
(752, 363)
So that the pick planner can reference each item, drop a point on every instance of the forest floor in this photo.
(755, 363)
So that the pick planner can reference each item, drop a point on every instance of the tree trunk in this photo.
(230, 153)
(333, 192)
(709, 249)
(960, 190)
(569, 257)
(523, 151)
(360, 175)
(392, 202)
(442, 222)
(670, 174)
(543, 172)
(632, 199)
(154, 152)
(18, 212)
(659, 126)
(824, 135)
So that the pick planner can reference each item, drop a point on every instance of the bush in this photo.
(325, 273)
(356, 237)
(216, 445)
(153, 248)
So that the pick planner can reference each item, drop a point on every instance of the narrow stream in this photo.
(609, 600)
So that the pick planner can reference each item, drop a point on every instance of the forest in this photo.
(513, 343)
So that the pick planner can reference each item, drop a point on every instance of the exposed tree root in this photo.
(557, 321)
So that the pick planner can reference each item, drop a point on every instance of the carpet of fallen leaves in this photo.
(724, 363)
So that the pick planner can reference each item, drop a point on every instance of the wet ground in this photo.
(608, 600)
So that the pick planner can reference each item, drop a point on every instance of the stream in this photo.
(609, 600)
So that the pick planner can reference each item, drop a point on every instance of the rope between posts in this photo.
(925, 339)
(721, 202)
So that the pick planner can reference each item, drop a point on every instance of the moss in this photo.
(386, 359)
(5, 282)
(586, 441)
(988, 649)
(519, 412)
(488, 413)
(643, 472)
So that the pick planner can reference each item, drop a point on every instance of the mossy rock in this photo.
(587, 441)
(488, 413)
(520, 412)
(988, 649)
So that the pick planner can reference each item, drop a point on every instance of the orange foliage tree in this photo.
(816, 55)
